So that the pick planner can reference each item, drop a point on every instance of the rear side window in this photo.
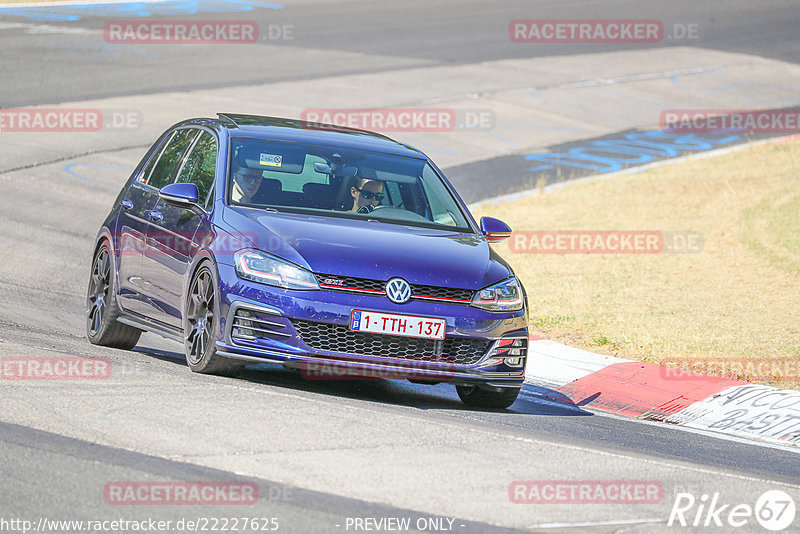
(171, 158)
(156, 152)
(200, 165)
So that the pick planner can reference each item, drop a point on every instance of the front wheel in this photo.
(200, 324)
(487, 398)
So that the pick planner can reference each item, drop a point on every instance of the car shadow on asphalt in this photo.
(532, 400)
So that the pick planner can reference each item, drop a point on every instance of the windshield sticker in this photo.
(271, 160)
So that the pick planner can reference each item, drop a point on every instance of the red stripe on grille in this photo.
(359, 290)
(374, 291)
(438, 298)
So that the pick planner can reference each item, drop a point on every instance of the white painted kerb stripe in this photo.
(552, 364)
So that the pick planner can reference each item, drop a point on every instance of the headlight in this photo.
(503, 296)
(261, 267)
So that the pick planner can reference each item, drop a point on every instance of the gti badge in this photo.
(398, 290)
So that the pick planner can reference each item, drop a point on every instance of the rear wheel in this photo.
(200, 325)
(102, 311)
(487, 398)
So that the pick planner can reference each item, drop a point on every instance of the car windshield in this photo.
(339, 182)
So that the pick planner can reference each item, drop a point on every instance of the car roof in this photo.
(294, 130)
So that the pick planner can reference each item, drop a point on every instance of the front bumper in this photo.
(268, 335)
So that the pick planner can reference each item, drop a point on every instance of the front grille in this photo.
(252, 324)
(336, 338)
(442, 292)
(366, 285)
(349, 282)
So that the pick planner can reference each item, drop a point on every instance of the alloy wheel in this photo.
(200, 314)
(99, 286)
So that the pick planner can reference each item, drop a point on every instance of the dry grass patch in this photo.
(737, 299)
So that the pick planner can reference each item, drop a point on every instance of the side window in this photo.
(170, 161)
(440, 202)
(200, 165)
(145, 174)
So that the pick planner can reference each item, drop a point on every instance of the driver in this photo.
(246, 182)
(367, 194)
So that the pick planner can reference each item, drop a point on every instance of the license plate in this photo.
(397, 325)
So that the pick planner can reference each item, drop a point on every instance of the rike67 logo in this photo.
(774, 510)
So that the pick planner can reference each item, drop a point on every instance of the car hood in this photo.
(374, 250)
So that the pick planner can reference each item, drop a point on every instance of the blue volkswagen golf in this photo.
(333, 251)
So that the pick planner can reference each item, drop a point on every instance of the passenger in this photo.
(246, 182)
(367, 195)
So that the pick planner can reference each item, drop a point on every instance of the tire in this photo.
(200, 324)
(487, 398)
(102, 327)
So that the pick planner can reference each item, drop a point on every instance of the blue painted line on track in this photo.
(69, 170)
(73, 12)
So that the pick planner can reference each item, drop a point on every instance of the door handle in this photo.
(156, 215)
(126, 204)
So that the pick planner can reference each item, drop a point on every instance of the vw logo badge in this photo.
(398, 290)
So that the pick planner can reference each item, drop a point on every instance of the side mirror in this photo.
(181, 195)
(495, 230)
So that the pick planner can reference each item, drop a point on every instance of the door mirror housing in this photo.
(183, 195)
(495, 230)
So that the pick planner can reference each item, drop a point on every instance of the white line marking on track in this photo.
(708, 433)
(47, 29)
(599, 523)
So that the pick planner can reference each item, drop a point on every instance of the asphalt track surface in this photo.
(320, 452)
(411, 33)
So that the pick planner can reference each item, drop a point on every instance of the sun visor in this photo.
(275, 157)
